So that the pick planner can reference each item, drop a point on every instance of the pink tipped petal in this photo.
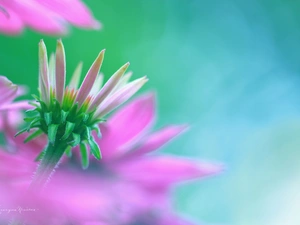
(109, 86)
(97, 85)
(37, 16)
(163, 171)
(8, 90)
(52, 71)
(60, 71)
(123, 81)
(120, 97)
(10, 22)
(89, 79)
(74, 83)
(157, 139)
(44, 72)
(127, 125)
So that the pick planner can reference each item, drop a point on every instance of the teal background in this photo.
(230, 69)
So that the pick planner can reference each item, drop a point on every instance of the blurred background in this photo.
(228, 68)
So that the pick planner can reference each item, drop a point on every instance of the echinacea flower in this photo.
(46, 16)
(69, 114)
(128, 186)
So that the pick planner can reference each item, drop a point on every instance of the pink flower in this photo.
(46, 16)
(129, 186)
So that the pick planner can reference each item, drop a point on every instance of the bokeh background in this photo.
(228, 68)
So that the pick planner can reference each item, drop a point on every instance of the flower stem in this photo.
(50, 159)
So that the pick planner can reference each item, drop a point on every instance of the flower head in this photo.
(46, 16)
(127, 187)
(69, 114)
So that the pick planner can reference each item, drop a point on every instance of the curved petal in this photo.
(157, 139)
(163, 171)
(127, 125)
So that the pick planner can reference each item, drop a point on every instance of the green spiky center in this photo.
(66, 124)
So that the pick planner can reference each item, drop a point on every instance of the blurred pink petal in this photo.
(8, 91)
(36, 16)
(51, 17)
(163, 171)
(128, 124)
(154, 141)
(10, 22)
(76, 13)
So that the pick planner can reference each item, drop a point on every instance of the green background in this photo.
(230, 69)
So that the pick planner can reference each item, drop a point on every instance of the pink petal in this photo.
(119, 97)
(11, 118)
(108, 87)
(37, 16)
(60, 71)
(44, 73)
(89, 79)
(16, 105)
(174, 220)
(73, 11)
(127, 125)
(157, 139)
(10, 22)
(163, 171)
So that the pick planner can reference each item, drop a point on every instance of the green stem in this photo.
(50, 160)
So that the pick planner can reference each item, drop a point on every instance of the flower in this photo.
(68, 115)
(129, 186)
(46, 16)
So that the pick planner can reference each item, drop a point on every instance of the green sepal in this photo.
(30, 119)
(64, 115)
(40, 156)
(87, 133)
(69, 128)
(33, 122)
(21, 131)
(100, 120)
(52, 131)
(43, 106)
(33, 135)
(68, 151)
(32, 110)
(56, 109)
(36, 97)
(97, 129)
(73, 111)
(76, 140)
(85, 117)
(34, 104)
(95, 149)
(84, 156)
(48, 117)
